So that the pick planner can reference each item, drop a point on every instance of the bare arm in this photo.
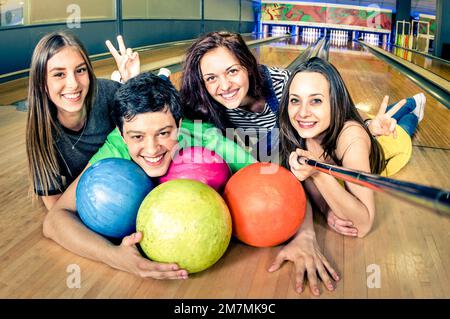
(342, 226)
(49, 201)
(355, 203)
(64, 227)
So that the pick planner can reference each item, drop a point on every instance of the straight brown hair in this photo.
(198, 103)
(342, 110)
(42, 124)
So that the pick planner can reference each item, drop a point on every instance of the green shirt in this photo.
(191, 134)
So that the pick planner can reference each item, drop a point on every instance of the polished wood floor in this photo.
(409, 245)
(438, 67)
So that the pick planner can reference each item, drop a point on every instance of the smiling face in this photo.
(226, 80)
(67, 81)
(309, 104)
(151, 139)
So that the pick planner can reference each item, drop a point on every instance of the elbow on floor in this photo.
(364, 229)
(47, 226)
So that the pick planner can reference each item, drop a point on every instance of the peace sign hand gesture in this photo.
(383, 123)
(127, 61)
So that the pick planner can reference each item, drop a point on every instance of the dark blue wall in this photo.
(442, 42)
(211, 25)
(233, 26)
(17, 43)
(248, 27)
(146, 32)
(403, 10)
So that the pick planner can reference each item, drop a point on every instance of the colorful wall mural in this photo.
(365, 18)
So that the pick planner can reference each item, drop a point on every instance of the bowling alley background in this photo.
(408, 246)
(147, 22)
(142, 22)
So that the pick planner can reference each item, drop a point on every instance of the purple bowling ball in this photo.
(201, 164)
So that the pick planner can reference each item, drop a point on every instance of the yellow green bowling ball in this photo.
(185, 222)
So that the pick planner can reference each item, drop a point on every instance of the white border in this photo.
(331, 5)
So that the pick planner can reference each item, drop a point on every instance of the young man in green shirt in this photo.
(147, 113)
(190, 133)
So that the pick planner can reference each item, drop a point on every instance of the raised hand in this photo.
(129, 259)
(127, 61)
(383, 123)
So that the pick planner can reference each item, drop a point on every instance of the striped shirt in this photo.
(267, 118)
(253, 127)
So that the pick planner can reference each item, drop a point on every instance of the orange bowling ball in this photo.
(267, 204)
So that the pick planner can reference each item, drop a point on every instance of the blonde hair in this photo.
(42, 126)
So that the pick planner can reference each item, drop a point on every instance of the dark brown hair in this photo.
(342, 110)
(198, 103)
(41, 121)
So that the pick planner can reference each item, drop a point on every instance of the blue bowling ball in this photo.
(109, 194)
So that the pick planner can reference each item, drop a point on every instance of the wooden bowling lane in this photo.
(369, 79)
(281, 53)
(407, 241)
(35, 267)
(408, 244)
(437, 66)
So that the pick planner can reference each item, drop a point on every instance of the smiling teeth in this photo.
(229, 95)
(153, 159)
(72, 96)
